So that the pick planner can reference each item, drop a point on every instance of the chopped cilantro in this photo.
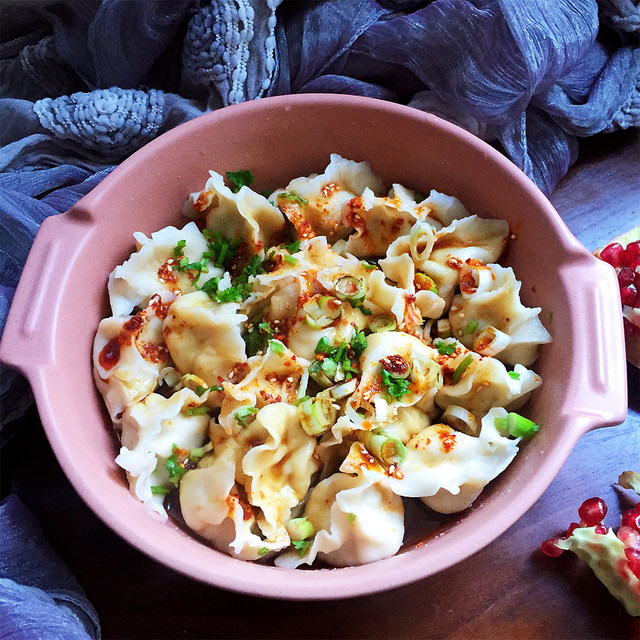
(359, 343)
(244, 415)
(444, 348)
(240, 179)
(396, 387)
(177, 250)
(323, 345)
(351, 518)
(294, 197)
(220, 250)
(301, 546)
(196, 454)
(256, 339)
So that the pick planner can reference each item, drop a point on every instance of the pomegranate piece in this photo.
(628, 295)
(631, 518)
(614, 254)
(592, 511)
(632, 254)
(626, 276)
(550, 548)
(633, 561)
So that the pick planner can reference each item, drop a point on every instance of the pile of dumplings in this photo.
(367, 349)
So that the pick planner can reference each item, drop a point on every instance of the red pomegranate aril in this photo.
(600, 529)
(632, 254)
(614, 254)
(633, 561)
(592, 511)
(626, 276)
(631, 518)
(572, 527)
(629, 537)
(550, 548)
(628, 295)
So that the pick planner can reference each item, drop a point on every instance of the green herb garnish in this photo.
(301, 546)
(444, 348)
(396, 387)
(245, 415)
(293, 247)
(471, 327)
(514, 375)
(175, 468)
(277, 347)
(516, 426)
(460, 369)
(196, 411)
(159, 490)
(263, 551)
(351, 518)
(294, 197)
(240, 179)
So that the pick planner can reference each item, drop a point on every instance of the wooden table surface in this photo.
(507, 590)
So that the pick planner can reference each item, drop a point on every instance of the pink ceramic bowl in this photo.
(62, 297)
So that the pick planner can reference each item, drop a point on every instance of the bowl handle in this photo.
(29, 333)
(601, 399)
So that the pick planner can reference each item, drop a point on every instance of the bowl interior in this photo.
(279, 139)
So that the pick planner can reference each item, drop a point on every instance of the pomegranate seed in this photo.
(632, 254)
(628, 294)
(629, 537)
(626, 276)
(614, 254)
(630, 329)
(592, 511)
(631, 518)
(633, 560)
(572, 527)
(601, 530)
(550, 548)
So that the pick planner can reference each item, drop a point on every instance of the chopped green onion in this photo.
(157, 490)
(299, 528)
(299, 401)
(351, 518)
(301, 546)
(387, 449)
(245, 415)
(382, 323)
(200, 390)
(291, 260)
(445, 348)
(318, 375)
(329, 367)
(423, 282)
(316, 415)
(344, 389)
(175, 469)
(322, 312)
(471, 327)
(368, 266)
(460, 419)
(277, 347)
(263, 551)
(460, 369)
(516, 426)
(294, 197)
(196, 411)
(351, 288)
(240, 179)
(514, 374)
(196, 454)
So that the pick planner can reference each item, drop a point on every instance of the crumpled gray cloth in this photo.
(39, 598)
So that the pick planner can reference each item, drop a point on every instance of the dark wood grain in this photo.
(507, 590)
